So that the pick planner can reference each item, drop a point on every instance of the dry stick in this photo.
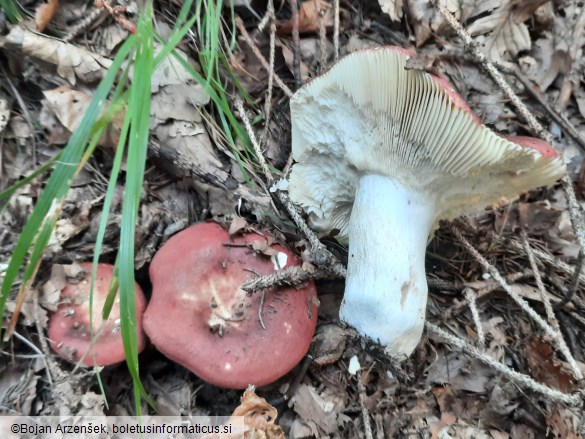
(256, 51)
(268, 100)
(482, 292)
(562, 345)
(336, 30)
(565, 124)
(323, 257)
(294, 8)
(365, 413)
(554, 335)
(289, 276)
(470, 296)
(517, 377)
(543, 256)
(322, 43)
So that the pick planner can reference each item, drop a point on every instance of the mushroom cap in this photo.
(369, 115)
(200, 318)
(69, 325)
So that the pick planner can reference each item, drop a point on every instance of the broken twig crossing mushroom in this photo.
(383, 153)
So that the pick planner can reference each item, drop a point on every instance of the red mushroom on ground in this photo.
(69, 330)
(200, 317)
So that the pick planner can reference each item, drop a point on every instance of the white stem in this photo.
(386, 289)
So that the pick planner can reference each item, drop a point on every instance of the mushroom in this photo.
(200, 318)
(383, 153)
(69, 329)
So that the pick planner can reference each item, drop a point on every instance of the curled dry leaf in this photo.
(259, 419)
(45, 13)
(72, 62)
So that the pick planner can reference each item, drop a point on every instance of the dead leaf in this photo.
(72, 62)
(393, 8)
(545, 368)
(461, 372)
(259, 418)
(564, 423)
(320, 408)
(505, 32)
(237, 225)
(312, 14)
(426, 20)
(69, 106)
(45, 13)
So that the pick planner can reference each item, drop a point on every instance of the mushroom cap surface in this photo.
(369, 115)
(200, 318)
(69, 325)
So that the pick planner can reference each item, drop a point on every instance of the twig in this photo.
(560, 119)
(268, 99)
(482, 292)
(542, 256)
(322, 256)
(322, 43)
(289, 276)
(84, 24)
(365, 413)
(561, 344)
(513, 294)
(336, 30)
(296, 67)
(470, 296)
(260, 308)
(518, 378)
(256, 51)
(574, 280)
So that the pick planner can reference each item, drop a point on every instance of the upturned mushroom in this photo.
(383, 153)
(200, 318)
(69, 329)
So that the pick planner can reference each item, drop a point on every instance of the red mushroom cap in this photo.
(69, 325)
(200, 318)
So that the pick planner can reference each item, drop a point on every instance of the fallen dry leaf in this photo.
(69, 107)
(45, 13)
(259, 418)
(393, 8)
(545, 368)
(313, 13)
(320, 408)
(72, 62)
(505, 32)
(237, 225)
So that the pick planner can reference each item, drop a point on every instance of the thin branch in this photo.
(296, 39)
(550, 314)
(336, 30)
(250, 42)
(470, 296)
(518, 378)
